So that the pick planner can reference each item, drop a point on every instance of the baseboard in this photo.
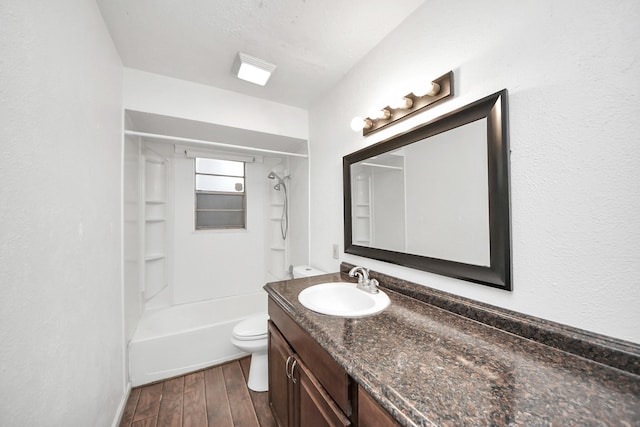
(123, 404)
(154, 377)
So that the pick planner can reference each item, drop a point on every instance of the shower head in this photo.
(273, 175)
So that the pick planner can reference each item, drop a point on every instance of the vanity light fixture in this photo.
(431, 89)
(358, 123)
(382, 113)
(403, 103)
(422, 96)
(252, 69)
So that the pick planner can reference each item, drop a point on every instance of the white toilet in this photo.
(305, 271)
(250, 336)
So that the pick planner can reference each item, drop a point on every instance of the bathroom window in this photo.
(220, 194)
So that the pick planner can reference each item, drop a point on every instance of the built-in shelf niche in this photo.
(277, 254)
(362, 209)
(154, 212)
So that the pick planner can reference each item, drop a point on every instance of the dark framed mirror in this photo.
(436, 198)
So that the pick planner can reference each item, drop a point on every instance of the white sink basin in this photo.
(343, 299)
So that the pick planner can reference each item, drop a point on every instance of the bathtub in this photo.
(183, 338)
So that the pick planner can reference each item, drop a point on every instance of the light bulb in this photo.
(430, 89)
(382, 113)
(358, 123)
(401, 103)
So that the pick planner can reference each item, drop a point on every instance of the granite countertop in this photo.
(429, 366)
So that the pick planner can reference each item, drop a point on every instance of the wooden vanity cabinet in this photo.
(314, 405)
(370, 414)
(295, 395)
(280, 384)
(307, 388)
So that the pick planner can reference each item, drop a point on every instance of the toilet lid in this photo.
(253, 327)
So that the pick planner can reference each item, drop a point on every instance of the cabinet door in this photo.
(326, 370)
(371, 414)
(314, 406)
(280, 387)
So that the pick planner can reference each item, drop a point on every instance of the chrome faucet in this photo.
(364, 283)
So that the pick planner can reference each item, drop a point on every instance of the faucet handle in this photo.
(373, 286)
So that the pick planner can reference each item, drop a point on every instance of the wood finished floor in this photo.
(214, 397)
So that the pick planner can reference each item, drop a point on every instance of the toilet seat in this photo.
(252, 328)
(249, 338)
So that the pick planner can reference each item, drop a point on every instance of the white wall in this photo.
(61, 358)
(131, 246)
(572, 75)
(153, 93)
(388, 209)
(298, 211)
(449, 221)
(156, 94)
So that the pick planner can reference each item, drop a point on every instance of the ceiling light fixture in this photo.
(252, 69)
(423, 96)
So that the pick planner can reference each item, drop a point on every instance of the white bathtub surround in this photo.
(211, 264)
(187, 337)
(213, 277)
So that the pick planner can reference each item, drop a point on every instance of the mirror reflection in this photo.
(436, 197)
(428, 198)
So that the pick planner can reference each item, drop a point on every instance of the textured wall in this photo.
(61, 358)
(131, 245)
(298, 236)
(572, 75)
(153, 93)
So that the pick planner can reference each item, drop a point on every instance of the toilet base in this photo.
(259, 372)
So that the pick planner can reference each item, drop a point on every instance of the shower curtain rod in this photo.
(211, 143)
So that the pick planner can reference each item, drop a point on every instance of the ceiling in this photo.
(313, 43)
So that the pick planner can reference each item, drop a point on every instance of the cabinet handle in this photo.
(286, 367)
(293, 368)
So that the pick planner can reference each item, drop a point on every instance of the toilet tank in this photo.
(306, 271)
